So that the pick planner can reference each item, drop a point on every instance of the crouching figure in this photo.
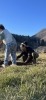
(27, 53)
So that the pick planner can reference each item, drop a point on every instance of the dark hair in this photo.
(2, 27)
(25, 42)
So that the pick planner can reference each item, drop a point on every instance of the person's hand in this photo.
(25, 63)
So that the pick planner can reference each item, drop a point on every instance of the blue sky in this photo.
(24, 17)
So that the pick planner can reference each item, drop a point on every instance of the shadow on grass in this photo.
(1, 62)
(17, 63)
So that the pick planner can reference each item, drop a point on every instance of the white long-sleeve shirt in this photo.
(6, 37)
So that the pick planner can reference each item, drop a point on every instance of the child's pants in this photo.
(10, 49)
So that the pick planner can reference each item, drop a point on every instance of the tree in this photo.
(42, 42)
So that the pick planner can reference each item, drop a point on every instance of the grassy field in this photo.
(24, 82)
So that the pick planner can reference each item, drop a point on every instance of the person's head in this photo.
(25, 42)
(23, 47)
(1, 27)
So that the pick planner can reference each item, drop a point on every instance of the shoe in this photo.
(3, 66)
(13, 65)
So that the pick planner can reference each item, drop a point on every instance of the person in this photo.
(27, 53)
(10, 45)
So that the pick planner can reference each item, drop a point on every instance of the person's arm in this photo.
(28, 58)
(19, 56)
(30, 51)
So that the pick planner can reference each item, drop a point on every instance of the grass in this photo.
(24, 82)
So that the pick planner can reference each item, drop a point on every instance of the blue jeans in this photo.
(10, 49)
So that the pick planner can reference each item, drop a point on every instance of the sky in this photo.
(23, 17)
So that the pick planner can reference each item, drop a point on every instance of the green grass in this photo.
(24, 82)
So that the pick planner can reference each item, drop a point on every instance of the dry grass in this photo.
(24, 82)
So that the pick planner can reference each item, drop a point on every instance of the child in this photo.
(10, 45)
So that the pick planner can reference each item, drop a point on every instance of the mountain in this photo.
(34, 41)
(41, 35)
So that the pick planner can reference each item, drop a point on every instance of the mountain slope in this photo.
(41, 34)
(34, 41)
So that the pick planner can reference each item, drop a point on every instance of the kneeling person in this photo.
(26, 53)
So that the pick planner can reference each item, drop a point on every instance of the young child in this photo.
(10, 45)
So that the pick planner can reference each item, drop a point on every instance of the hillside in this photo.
(34, 41)
(41, 35)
